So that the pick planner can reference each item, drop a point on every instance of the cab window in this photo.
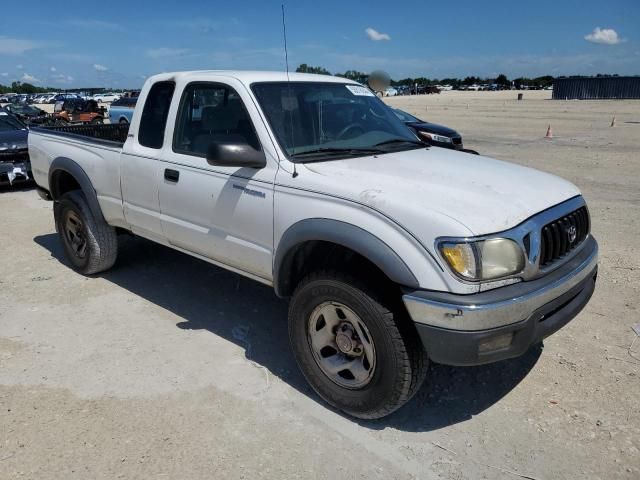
(211, 113)
(154, 115)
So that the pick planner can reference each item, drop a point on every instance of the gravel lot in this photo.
(167, 367)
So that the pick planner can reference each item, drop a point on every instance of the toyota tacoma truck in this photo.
(392, 253)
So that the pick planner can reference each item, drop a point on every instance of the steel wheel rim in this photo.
(341, 345)
(74, 234)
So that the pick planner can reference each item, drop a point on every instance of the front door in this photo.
(222, 213)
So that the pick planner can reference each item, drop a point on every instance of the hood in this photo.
(9, 138)
(439, 191)
(434, 128)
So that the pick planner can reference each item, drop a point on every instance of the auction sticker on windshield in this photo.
(360, 91)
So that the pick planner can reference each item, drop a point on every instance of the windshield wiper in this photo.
(401, 140)
(336, 150)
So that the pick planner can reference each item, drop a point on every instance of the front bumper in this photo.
(14, 173)
(503, 323)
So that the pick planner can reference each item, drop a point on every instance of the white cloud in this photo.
(19, 67)
(606, 36)
(4, 74)
(375, 35)
(16, 46)
(164, 52)
(53, 69)
(100, 68)
(29, 78)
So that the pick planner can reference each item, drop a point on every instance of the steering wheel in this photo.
(351, 126)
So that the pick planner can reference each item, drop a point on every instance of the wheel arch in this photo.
(312, 231)
(65, 175)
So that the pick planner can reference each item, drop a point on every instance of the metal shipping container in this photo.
(596, 88)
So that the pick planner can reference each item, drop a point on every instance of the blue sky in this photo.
(119, 43)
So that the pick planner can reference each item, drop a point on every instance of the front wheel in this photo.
(359, 355)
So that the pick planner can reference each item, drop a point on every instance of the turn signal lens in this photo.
(461, 258)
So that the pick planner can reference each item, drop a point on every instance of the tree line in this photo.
(501, 80)
(27, 88)
(361, 77)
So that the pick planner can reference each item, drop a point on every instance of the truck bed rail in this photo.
(113, 135)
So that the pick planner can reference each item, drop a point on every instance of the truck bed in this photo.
(113, 135)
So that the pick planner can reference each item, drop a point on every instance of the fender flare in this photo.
(67, 165)
(341, 233)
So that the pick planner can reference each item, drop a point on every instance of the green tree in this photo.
(304, 68)
(354, 75)
(502, 80)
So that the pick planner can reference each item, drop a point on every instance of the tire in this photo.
(398, 366)
(97, 121)
(123, 121)
(95, 247)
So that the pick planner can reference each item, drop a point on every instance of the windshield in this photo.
(8, 122)
(313, 120)
(25, 110)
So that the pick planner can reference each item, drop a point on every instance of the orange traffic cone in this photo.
(613, 121)
(549, 132)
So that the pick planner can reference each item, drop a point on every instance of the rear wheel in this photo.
(358, 354)
(90, 244)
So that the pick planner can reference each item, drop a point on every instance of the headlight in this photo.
(483, 259)
(435, 138)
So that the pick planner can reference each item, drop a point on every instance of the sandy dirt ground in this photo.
(167, 367)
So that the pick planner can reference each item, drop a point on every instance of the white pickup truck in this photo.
(393, 253)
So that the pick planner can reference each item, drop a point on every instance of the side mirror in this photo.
(235, 154)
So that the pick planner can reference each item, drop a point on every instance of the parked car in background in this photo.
(28, 114)
(46, 99)
(106, 97)
(19, 98)
(390, 92)
(14, 154)
(131, 94)
(121, 110)
(432, 133)
(77, 110)
(61, 97)
(427, 89)
(38, 98)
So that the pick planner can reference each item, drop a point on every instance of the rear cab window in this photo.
(154, 115)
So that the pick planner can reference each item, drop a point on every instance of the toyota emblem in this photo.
(572, 233)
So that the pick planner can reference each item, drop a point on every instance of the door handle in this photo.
(171, 175)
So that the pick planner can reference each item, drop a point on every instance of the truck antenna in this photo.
(286, 62)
